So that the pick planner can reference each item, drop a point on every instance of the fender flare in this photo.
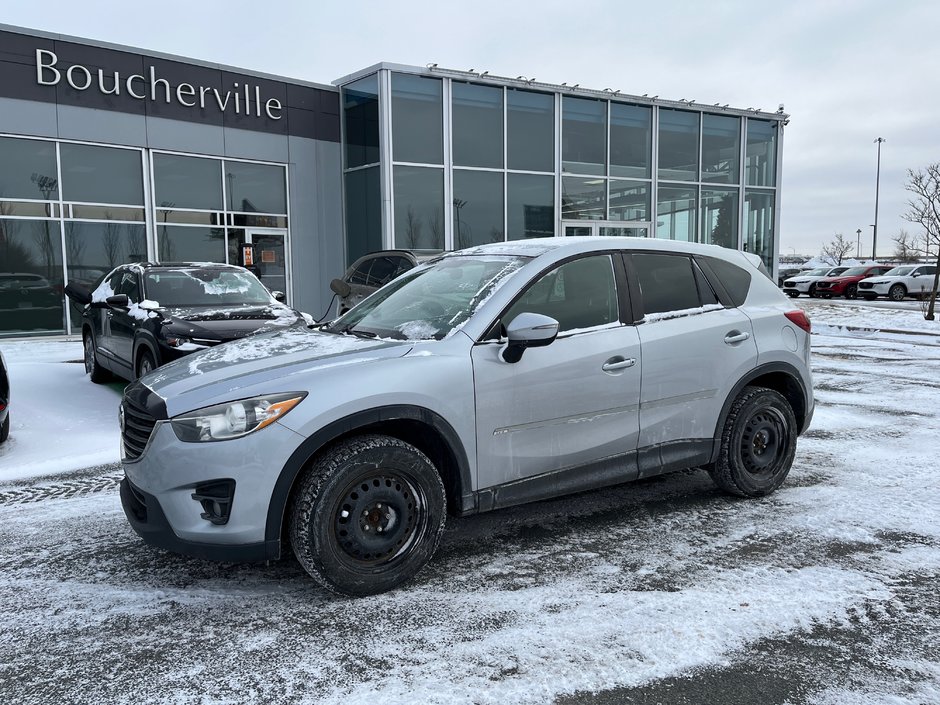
(768, 368)
(277, 506)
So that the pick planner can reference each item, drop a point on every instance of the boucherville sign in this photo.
(243, 99)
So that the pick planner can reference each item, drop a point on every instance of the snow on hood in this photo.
(260, 358)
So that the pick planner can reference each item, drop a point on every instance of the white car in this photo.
(806, 283)
(908, 280)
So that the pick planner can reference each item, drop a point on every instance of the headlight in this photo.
(233, 419)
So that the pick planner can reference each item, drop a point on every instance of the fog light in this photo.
(216, 500)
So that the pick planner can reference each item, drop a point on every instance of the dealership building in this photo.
(110, 154)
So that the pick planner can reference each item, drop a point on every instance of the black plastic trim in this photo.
(146, 517)
(675, 455)
(614, 470)
(302, 455)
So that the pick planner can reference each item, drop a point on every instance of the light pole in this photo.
(858, 242)
(874, 235)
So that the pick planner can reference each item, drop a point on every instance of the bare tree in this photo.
(837, 249)
(924, 209)
(906, 247)
(413, 228)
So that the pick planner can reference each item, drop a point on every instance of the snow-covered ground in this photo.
(660, 591)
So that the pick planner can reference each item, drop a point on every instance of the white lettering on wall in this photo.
(48, 65)
(81, 78)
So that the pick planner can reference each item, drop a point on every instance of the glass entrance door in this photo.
(264, 253)
(608, 228)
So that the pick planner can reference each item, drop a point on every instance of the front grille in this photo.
(866, 285)
(789, 283)
(138, 425)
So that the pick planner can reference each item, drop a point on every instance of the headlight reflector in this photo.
(233, 419)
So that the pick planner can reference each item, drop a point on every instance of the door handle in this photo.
(618, 363)
(736, 337)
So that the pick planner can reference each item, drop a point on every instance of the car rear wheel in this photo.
(96, 372)
(758, 443)
(145, 364)
(367, 515)
(897, 292)
(851, 291)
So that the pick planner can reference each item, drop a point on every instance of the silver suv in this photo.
(486, 378)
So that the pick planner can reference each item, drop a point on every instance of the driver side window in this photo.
(578, 294)
(128, 285)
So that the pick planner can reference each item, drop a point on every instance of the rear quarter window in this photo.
(734, 279)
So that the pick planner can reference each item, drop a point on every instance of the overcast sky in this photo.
(847, 72)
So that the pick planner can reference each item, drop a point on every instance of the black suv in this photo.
(143, 315)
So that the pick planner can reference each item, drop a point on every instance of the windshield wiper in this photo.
(351, 330)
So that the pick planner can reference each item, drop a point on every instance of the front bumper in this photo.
(802, 287)
(160, 484)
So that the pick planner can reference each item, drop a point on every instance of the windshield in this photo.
(204, 287)
(821, 272)
(899, 272)
(430, 301)
(853, 272)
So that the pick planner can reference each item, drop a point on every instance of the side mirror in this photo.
(78, 293)
(340, 288)
(279, 296)
(915, 274)
(528, 330)
(119, 300)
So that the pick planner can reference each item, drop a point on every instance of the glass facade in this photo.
(467, 160)
(71, 212)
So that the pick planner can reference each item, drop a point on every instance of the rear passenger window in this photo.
(667, 282)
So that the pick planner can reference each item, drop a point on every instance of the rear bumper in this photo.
(146, 517)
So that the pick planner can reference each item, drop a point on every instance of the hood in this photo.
(267, 360)
(229, 322)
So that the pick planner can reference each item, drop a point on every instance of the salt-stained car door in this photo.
(694, 351)
(572, 402)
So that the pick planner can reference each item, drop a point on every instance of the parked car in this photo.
(846, 283)
(785, 273)
(371, 272)
(4, 399)
(488, 377)
(143, 315)
(805, 283)
(29, 302)
(907, 280)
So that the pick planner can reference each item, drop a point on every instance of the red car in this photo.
(846, 284)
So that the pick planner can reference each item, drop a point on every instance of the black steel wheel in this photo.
(96, 372)
(367, 515)
(897, 292)
(758, 443)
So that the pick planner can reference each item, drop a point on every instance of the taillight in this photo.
(800, 318)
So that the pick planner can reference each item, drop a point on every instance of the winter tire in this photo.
(812, 291)
(96, 372)
(851, 291)
(758, 443)
(367, 515)
(145, 364)
(793, 294)
(897, 292)
(5, 428)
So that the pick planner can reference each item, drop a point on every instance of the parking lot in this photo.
(663, 591)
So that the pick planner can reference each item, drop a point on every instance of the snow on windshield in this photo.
(205, 287)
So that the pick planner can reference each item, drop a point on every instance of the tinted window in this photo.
(360, 275)
(678, 145)
(177, 243)
(630, 140)
(255, 188)
(101, 174)
(384, 269)
(417, 131)
(478, 208)
(29, 169)
(667, 282)
(363, 212)
(578, 294)
(583, 135)
(187, 182)
(361, 121)
(705, 292)
(419, 208)
(477, 116)
(530, 119)
(735, 280)
(128, 285)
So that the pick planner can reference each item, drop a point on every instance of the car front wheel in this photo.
(851, 291)
(758, 443)
(897, 292)
(367, 515)
(96, 372)
(145, 364)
